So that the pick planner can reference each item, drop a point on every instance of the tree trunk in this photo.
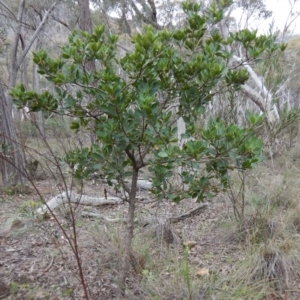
(129, 233)
(11, 158)
(12, 164)
(85, 24)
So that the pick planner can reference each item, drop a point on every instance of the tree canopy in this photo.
(131, 101)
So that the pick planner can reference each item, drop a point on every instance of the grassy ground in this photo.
(257, 257)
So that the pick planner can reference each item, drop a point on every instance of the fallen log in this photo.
(72, 197)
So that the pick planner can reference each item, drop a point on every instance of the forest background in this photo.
(149, 150)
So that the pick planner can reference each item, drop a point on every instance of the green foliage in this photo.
(28, 208)
(289, 119)
(185, 271)
(132, 120)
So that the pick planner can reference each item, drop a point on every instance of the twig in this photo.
(50, 265)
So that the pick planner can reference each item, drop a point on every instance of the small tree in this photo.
(132, 107)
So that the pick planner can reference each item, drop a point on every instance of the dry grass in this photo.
(256, 258)
(269, 264)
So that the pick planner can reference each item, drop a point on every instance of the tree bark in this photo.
(129, 233)
(12, 164)
(263, 101)
(85, 24)
(14, 66)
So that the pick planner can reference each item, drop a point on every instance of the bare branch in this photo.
(14, 67)
(254, 96)
(60, 21)
(192, 213)
(144, 18)
(7, 8)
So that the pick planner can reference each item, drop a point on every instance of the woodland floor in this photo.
(36, 261)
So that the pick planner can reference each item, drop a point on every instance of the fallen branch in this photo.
(100, 216)
(192, 213)
(142, 184)
(72, 197)
(50, 265)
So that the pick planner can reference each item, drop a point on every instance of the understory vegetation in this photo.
(216, 256)
(168, 169)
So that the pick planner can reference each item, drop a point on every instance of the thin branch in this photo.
(142, 16)
(7, 8)
(60, 21)
(254, 96)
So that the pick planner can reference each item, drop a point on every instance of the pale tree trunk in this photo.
(13, 72)
(262, 97)
(180, 130)
(11, 159)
